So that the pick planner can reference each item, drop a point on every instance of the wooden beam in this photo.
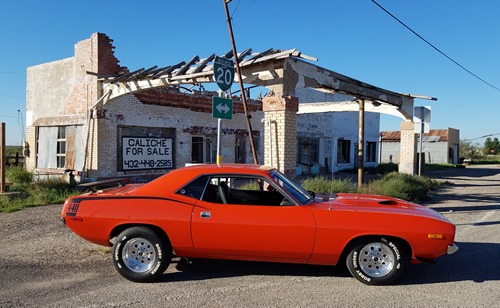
(168, 70)
(243, 54)
(203, 63)
(259, 55)
(126, 76)
(186, 66)
(229, 54)
(146, 72)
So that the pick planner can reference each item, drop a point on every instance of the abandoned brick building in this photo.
(94, 117)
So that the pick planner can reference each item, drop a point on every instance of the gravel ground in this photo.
(42, 263)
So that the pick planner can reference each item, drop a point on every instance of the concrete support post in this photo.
(282, 112)
(408, 150)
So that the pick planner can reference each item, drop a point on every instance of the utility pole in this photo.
(361, 142)
(238, 71)
(2, 157)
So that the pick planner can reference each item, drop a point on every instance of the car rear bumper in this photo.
(452, 249)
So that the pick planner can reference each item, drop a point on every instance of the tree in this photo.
(495, 146)
(487, 146)
(468, 150)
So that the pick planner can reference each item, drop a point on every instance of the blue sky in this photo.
(355, 38)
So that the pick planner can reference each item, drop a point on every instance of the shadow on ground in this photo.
(450, 268)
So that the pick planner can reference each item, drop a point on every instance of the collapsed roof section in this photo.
(285, 70)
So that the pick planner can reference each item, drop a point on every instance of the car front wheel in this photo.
(140, 255)
(376, 262)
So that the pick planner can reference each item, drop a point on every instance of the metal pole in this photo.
(361, 140)
(421, 141)
(219, 129)
(380, 149)
(240, 80)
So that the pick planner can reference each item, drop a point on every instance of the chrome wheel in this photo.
(376, 259)
(139, 255)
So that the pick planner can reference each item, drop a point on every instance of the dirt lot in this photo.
(43, 264)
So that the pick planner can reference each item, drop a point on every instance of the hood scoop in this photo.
(388, 202)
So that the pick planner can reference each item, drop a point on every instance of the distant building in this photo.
(330, 140)
(440, 146)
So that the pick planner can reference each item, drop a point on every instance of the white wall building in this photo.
(440, 146)
(329, 140)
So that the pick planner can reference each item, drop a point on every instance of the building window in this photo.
(61, 147)
(343, 151)
(371, 152)
(307, 151)
(210, 150)
(202, 150)
(240, 149)
(256, 143)
(197, 144)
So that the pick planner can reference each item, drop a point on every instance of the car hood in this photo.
(379, 204)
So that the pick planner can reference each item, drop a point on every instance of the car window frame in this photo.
(267, 179)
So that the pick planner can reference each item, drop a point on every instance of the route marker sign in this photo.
(222, 108)
(223, 72)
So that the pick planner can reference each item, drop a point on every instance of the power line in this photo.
(485, 136)
(8, 116)
(434, 47)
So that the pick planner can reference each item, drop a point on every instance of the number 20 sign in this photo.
(223, 73)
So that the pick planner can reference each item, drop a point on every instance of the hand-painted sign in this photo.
(147, 153)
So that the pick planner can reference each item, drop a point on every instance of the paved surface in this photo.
(43, 264)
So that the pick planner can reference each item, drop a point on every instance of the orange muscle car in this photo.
(251, 212)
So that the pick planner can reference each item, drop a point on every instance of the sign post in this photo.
(222, 108)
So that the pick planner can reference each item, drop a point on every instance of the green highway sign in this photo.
(222, 108)
(223, 72)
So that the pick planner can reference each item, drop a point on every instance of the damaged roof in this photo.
(434, 135)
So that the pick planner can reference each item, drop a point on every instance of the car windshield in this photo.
(297, 191)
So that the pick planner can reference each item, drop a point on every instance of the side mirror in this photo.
(312, 193)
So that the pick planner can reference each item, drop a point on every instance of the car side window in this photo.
(244, 191)
(195, 188)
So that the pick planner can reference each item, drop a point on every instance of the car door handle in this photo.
(205, 214)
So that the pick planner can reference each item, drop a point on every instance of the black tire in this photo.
(140, 255)
(376, 261)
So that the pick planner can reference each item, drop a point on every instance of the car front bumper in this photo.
(452, 249)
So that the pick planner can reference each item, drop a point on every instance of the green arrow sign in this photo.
(222, 108)
(223, 73)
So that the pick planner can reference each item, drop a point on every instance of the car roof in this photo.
(236, 168)
(177, 178)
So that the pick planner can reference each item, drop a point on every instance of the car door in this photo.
(253, 231)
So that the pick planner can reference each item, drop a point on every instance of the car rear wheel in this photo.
(377, 261)
(140, 255)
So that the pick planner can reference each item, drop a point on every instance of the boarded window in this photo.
(60, 147)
